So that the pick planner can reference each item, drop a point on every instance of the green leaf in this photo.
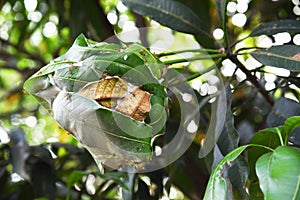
(273, 27)
(97, 18)
(40, 169)
(290, 130)
(91, 69)
(290, 124)
(18, 151)
(203, 10)
(217, 186)
(295, 80)
(135, 64)
(282, 110)
(221, 10)
(227, 142)
(278, 173)
(153, 62)
(269, 137)
(118, 177)
(74, 177)
(109, 135)
(123, 130)
(169, 13)
(105, 133)
(216, 124)
(86, 18)
(222, 13)
(81, 41)
(157, 116)
(83, 48)
(229, 137)
(238, 176)
(285, 56)
(255, 192)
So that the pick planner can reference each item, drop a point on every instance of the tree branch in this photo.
(252, 79)
(22, 50)
(141, 24)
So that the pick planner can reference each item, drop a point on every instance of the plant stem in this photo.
(280, 136)
(22, 50)
(188, 50)
(238, 41)
(181, 60)
(246, 48)
(261, 146)
(252, 78)
(226, 33)
(197, 74)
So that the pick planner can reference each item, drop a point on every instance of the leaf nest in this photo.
(108, 96)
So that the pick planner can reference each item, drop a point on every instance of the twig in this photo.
(9, 114)
(238, 41)
(23, 72)
(141, 24)
(188, 50)
(205, 57)
(22, 50)
(253, 80)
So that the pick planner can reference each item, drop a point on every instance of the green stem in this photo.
(261, 146)
(188, 50)
(181, 60)
(238, 41)
(226, 34)
(246, 50)
(196, 75)
(280, 136)
(297, 190)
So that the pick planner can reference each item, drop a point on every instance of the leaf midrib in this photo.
(167, 13)
(274, 55)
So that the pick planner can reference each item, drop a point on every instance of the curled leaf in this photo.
(135, 105)
(108, 96)
(106, 91)
(115, 93)
(296, 56)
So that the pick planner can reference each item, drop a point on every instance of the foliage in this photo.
(257, 152)
(140, 68)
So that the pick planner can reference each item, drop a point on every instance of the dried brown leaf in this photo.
(114, 93)
(106, 91)
(135, 104)
(296, 56)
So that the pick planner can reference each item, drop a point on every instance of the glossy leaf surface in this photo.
(217, 186)
(273, 27)
(169, 13)
(278, 173)
(285, 56)
(221, 9)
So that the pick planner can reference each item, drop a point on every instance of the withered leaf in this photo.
(135, 104)
(106, 91)
(296, 56)
(115, 93)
